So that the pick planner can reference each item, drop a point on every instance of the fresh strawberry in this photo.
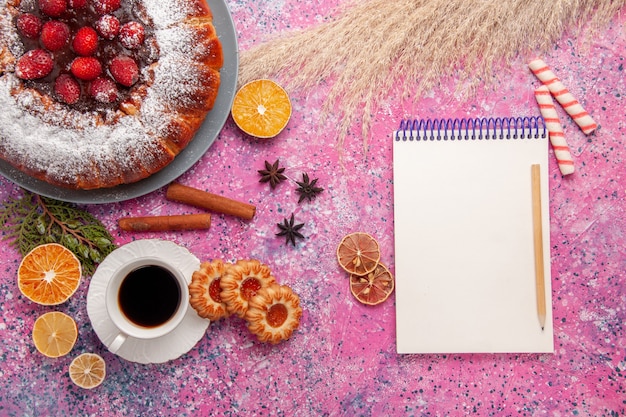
(86, 68)
(54, 35)
(67, 88)
(106, 6)
(108, 26)
(53, 8)
(29, 25)
(85, 41)
(104, 90)
(132, 35)
(76, 4)
(124, 70)
(34, 64)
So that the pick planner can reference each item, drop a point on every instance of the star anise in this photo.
(307, 189)
(290, 230)
(272, 173)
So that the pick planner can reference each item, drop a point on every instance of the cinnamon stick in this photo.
(209, 201)
(164, 223)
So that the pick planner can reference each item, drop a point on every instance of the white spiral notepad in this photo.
(464, 257)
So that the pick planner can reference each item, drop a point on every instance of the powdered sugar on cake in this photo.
(166, 13)
(67, 146)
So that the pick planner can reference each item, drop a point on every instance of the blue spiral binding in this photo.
(501, 128)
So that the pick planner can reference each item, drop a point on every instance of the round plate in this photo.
(206, 135)
(161, 349)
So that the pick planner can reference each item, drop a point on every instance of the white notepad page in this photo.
(464, 260)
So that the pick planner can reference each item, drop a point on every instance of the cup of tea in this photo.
(146, 299)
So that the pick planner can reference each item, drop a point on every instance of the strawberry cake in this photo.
(98, 93)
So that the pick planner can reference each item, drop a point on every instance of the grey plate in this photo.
(204, 138)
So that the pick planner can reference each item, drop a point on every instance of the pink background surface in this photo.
(342, 360)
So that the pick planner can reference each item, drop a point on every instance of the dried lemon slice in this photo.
(87, 370)
(54, 334)
(372, 288)
(358, 253)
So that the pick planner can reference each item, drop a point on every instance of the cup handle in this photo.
(117, 342)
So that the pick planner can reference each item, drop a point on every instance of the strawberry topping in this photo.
(132, 35)
(104, 90)
(85, 42)
(34, 64)
(108, 26)
(124, 70)
(79, 52)
(53, 8)
(86, 68)
(106, 6)
(77, 4)
(67, 88)
(29, 25)
(55, 35)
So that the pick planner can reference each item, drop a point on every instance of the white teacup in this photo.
(146, 299)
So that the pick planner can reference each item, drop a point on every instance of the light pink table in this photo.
(342, 360)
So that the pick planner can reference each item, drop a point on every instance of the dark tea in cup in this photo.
(146, 298)
(149, 295)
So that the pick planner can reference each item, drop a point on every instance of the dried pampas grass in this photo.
(374, 44)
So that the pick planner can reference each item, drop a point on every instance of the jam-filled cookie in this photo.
(241, 282)
(274, 313)
(205, 290)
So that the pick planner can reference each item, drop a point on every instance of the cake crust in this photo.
(104, 147)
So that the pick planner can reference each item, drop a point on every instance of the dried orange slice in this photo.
(87, 370)
(274, 313)
(49, 274)
(261, 108)
(374, 287)
(358, 253)
(54, 334)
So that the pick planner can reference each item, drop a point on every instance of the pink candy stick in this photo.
(555, 130)
(563, 96)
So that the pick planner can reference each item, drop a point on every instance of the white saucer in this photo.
(162, 349)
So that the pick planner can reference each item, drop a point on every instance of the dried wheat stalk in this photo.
(375, 44)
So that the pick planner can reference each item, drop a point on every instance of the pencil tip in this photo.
(542, 328)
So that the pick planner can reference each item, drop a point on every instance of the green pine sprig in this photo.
(33, 220)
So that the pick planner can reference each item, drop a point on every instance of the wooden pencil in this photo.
(538, 245)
